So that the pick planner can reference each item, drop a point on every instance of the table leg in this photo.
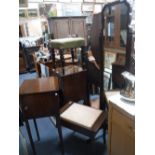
(30, 137)
(60, 134)
(36, 127)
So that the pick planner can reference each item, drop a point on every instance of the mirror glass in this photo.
(115, 39)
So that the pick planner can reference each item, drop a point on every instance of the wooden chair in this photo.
(83, 119)
(40, 98)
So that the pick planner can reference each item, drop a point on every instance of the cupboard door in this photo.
(121, 142)
(61, 28)
(121, 134)
(78, 27)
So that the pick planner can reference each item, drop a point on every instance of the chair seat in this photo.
(81, 115)
(66, 43)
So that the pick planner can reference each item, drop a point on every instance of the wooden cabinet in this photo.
(121, 127)
(62, 27)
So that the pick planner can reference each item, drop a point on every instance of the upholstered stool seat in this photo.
(63, 44)
(84, 120)
(81, 115)
(66, 43)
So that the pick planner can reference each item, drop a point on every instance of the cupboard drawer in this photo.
(123, 122)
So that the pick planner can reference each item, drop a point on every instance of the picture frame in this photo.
(23, 3)
(92, 1)
(32, 13)
(22, 13)
(86, 7)
(100, 1)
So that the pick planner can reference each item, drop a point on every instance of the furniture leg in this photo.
(53, 57)
(36, 127)
(72, 53)
(30, 137)
(104, 136)
(60, 134)
(62, 57)
(92, 145)
(82, 57)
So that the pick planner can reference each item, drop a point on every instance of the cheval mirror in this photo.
(114, 51)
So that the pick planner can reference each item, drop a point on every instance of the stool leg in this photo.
(60, 134)
(36, 127)
(53, 57)
(30, 137)
(92, 145)
(62, 57)
(82, 56)
(104, 134)
(72, 53)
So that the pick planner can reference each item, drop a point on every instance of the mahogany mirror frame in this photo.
(128, 48)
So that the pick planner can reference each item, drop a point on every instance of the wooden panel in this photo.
(61, 28)
(39, 105)
(121, 132)
(125, 123)
(121, 144)
(78, 27)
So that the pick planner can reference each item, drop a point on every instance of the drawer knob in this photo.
(56, 94)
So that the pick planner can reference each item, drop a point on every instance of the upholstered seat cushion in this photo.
(81, 115)
(66, 43)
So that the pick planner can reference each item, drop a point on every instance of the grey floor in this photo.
(74, 143)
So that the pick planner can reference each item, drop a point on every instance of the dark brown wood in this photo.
(36, 127)
(53, 57)
(61, 51)
(73, 83)
(28, 54)
(30, 137)
(95, 37)
(22, 63)
(39, 85)
(40, 98)
(117, 79)
(103, 41)
(72, 54)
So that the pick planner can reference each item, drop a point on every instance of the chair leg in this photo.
(104, 135)
(36, 127)
(92, 145)
(60, 134)
(30, 137)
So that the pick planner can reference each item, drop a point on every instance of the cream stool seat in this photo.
(84, 119)
(81, 115)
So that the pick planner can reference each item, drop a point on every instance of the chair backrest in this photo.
(74, 87)
(39, 105)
